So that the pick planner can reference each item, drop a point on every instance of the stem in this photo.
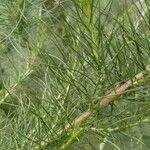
(103, 103)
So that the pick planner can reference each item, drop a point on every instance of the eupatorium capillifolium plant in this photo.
(74, 74)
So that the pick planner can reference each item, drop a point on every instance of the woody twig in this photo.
(113, 95)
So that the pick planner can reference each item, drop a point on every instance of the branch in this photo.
(113, 95)
(105, 101)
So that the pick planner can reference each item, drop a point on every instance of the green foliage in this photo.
(58, 58)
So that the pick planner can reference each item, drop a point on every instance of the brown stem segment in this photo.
(112, 96)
